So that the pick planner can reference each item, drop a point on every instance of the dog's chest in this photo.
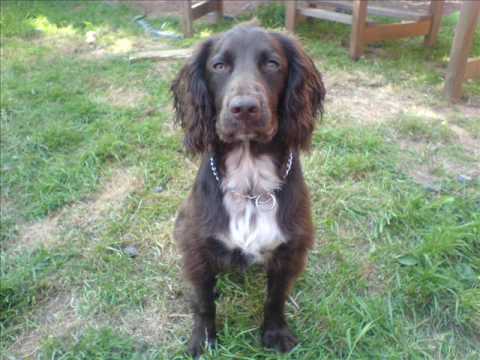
(254, 229)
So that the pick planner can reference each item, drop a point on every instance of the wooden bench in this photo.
(460, 67)
(363, 32)
(190, 13)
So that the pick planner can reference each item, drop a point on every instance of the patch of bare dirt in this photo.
(65, 45)
(470, 109)
(93, 54)
(423, 175)
(426, 172)
(57, 316)
(123, 182)
(158, 323)
(93, 47)
(456, 169)
(164, 68)
(127, 97)
(470, 144)
(46, 232)
(115, 192)
(54, 318)
(365, 99)
(83, 48)
(376, 285)
(361, 99)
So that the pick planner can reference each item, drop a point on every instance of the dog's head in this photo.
(248, 85)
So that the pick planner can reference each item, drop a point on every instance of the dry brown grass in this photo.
(58, 316)
(55, 317)
(109, 199)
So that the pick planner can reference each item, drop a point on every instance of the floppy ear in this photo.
(195, 111)
(303, 97)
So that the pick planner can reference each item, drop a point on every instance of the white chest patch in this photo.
(253, 229)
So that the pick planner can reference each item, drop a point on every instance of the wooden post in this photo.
(436, 12)
(462, 44)
(359, 22)
(187, 19)
(472, 70)
(290, 15)
(218, 14)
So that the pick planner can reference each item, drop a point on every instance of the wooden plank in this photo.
(326, 15)
(436, 12)
(381, 32)
(359, 23)
(187, 19)
(218, 11)
(202, 8)
(290, 15)
(159, 55)
(462, 44)
(216, 14)
(376, 10)
(472, 70)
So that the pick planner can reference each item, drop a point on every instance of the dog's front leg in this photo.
(203, 305)
(281, 274)
(275, 332)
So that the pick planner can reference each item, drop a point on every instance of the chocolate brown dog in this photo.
(247, 101)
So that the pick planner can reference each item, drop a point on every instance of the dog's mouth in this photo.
(230, 132)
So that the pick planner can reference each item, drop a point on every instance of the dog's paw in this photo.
(279, 338)
(198, 344)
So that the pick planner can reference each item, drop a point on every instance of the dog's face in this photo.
(248, 84)
(246, 73)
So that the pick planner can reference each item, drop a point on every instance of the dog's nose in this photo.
(245, 108)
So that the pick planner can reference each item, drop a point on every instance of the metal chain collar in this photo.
(264, 201)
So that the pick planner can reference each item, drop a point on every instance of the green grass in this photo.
(416, 128)
(93, 344)
(90, 164)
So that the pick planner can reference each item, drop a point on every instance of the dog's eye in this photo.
(272, 65)
(219, 66)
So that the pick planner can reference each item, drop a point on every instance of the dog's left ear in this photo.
(303, 97)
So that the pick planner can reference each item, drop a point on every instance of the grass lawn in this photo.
(92, 171)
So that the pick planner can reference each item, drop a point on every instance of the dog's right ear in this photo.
(194, 107)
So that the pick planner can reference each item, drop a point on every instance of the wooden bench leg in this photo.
(436, 12)
(218, 13)
(290, 15)
(359, 22)
(187, 18)
(462, 44)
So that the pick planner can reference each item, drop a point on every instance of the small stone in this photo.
(433, 188)
(158, 189)
(464, 178)
(91, 37)
(131, 251)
